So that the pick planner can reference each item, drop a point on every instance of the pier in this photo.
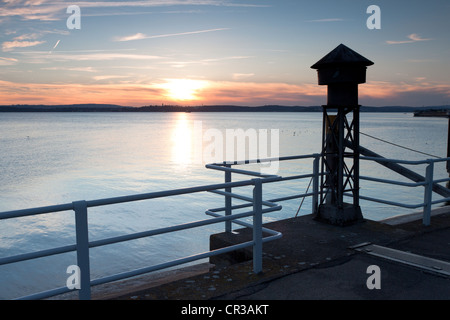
(314, 260)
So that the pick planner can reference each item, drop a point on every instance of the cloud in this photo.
(326, 20)
(240, 76)
(412, 38)
(416, 37)
(109, 77)
(95, 55)
(167, 3)
(52, 10)
(27, 36)
(26, 40)
(33, 10)
(140, 36)
(137, 36)
(78, 69)
(208, 61)
(7, 61)
(10, 45)
(106, 56)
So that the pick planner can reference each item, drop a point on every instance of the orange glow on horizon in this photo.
(201, 92)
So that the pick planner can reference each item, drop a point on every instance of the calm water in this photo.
(53, 158)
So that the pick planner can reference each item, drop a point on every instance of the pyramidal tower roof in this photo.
(342, 55)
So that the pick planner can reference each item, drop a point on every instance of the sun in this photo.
(183, 89)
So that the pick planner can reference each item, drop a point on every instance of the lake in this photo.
(55, 158)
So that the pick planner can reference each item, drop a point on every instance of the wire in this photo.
(397, 145)
(309, 185)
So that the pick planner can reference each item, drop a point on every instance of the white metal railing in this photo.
(83, 244)
(427, 181)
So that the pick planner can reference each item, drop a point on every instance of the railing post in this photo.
(81, 226)
(428, 193)
(315, 198)
(228, 227)
(257, 226)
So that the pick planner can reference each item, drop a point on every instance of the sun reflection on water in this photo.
(182, 140)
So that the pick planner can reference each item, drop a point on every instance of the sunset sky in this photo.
(242, 52)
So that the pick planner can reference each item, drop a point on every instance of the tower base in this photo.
(345, 216)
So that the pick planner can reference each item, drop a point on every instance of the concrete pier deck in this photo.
(314, 260)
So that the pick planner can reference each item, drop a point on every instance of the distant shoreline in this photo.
(418, 111)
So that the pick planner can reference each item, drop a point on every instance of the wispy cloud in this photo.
(27, 36)
(326, 20)
(78, 69)
(33, 10)
(106, 56)
(241, 76)
(137, 36)
(167, 3)
(10, 45)
(205, 61)
(7, 61)
(141, 36)
(412, 38)
(109, 77)
(29, 39)
(22, 41)
(53, 10)
(86, 55)
(225, 58)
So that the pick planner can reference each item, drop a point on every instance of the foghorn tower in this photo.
(342, 70)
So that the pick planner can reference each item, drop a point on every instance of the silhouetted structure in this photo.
(342, 70)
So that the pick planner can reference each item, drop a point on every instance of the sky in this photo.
(209, 52)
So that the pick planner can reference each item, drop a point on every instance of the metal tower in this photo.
(342, 70)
